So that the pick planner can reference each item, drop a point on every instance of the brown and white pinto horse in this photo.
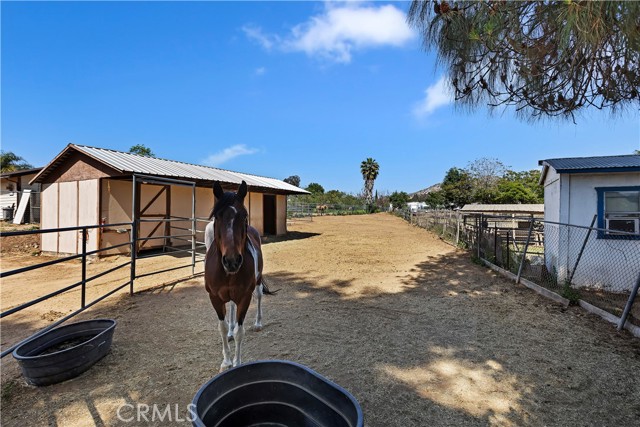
(233, 267)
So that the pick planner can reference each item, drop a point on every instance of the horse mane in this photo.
(227, 199)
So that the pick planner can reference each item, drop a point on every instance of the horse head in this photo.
(230, 227)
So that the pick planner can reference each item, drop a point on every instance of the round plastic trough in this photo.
(81, 345)
(274, 393)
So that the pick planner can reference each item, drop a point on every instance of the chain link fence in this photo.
(589, 266)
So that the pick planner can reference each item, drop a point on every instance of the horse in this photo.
(321, 209)
(233, 268)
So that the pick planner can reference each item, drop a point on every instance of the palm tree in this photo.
(369, 169)
(10, 162)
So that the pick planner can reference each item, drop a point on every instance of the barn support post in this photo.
(83, 292)
(478, 232)
(524, 254)
(508, 253)
(584, 244)
(134, 232)
(193, 229)
(630, 301)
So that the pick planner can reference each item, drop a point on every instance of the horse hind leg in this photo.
(258, 294)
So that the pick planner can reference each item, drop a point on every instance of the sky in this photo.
(270, 88)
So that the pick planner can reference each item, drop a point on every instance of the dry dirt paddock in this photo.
(419, 334)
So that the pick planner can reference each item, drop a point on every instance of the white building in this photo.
(604, 191)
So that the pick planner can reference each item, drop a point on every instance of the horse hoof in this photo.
(225, 366)
(230, 338)
(257, 328)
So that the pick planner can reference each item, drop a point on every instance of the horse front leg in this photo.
(220, 309)
(243, 306)
(231, 320)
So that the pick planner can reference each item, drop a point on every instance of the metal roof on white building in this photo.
(137, 164)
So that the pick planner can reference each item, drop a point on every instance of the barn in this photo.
(601, 192)
(88, 185)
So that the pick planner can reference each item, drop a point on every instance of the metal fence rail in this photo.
(584, 264)
(186, 235)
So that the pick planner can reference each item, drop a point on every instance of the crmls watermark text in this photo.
(155, 413)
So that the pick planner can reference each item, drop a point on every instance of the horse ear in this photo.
(217, 190)
(242, 191)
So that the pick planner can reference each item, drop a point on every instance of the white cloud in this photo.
(436, 96)
(267, 41)
(228, 154)
(340, 30)
(260, 71)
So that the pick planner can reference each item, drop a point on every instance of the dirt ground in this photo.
(419, 334)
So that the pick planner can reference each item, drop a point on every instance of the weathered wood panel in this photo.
(49, 217)
(256, 215)
(88, 198)
(68, 216)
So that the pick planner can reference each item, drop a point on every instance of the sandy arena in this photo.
(419, 334)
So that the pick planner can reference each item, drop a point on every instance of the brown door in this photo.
(269, 214)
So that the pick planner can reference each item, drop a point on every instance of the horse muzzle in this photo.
(232, 264)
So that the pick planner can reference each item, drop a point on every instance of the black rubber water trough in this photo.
(274, 393)
(65, 352)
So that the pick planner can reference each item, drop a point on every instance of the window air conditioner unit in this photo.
(627, 225)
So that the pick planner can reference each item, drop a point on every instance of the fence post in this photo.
(508, 254)
(584, 244)
(524, 254)
(83, 292)
(457, 228)
(193, 230)
(630, 301)
(478, 232)
(134, 233)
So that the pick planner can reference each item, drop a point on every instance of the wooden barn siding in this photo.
(49, 217)
(256, 215)
(79, 167)
(88, 211)
(115, 207)
(68, 216)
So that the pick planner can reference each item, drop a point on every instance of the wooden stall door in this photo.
(154, 202)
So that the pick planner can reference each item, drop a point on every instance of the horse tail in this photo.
(265, 289)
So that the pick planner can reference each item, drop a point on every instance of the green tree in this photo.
(10, 162)
(520, 187)
(141, 150)
(457, 188)
(546, 58)
(369, 169)
(435, 199)
(293, 180)
(399, 199)
(315, 188)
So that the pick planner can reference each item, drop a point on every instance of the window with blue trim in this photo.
(619, 211)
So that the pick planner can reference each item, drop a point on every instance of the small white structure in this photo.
(416, 206)
(577, 190)
(12, 187)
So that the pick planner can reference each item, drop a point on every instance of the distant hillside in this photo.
(423, 193)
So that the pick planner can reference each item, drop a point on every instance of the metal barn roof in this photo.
(137, 164)
(580, 164)
(602, 164)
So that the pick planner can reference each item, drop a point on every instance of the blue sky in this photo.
(271, 88)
